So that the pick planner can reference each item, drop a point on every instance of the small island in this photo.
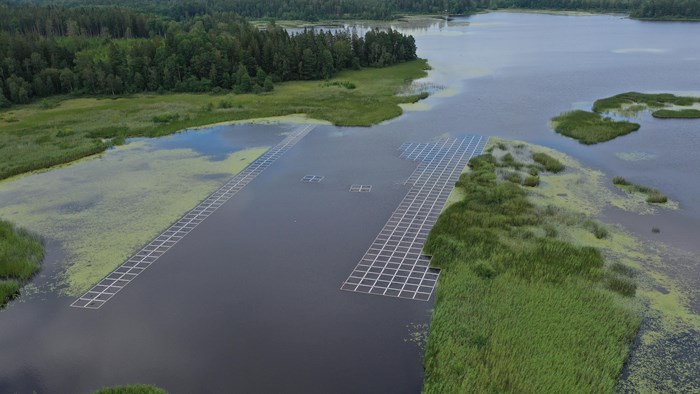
(594, 127)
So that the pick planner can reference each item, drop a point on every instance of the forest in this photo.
(116, 51)
(311, 10)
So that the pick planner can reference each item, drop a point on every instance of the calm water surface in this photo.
(250, 302)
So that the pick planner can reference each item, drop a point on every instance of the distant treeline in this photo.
(220, 51)
(311, 10)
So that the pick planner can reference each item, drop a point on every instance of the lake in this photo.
(250, 301)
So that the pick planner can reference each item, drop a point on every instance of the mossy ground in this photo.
(126, 196)
(37, 136)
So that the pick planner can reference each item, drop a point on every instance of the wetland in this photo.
(286, 299)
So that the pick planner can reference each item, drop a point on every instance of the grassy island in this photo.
(63, 129)
(593, 127)
(520, 306)
(21, 254)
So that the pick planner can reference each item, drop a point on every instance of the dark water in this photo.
(250, 300)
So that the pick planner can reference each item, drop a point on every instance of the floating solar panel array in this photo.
(394, 264)
(104, 290)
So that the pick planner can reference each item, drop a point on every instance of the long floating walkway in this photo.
(108, 287)
(394, 264)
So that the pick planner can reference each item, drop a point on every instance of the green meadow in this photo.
(63, 129)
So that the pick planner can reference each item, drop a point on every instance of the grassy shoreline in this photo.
(520, 307)
(61, 130)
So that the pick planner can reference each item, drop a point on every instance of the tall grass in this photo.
(590, 127)
(515, 312)
(653, 196)
(21, 254)
(548, 162)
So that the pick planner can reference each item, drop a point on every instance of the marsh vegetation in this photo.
(591, 128)
(652, 195)
(21, 254)
(595, 127)
(519, 307)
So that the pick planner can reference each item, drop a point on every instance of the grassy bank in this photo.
(591, 128)
(652, 195)
(520, 306)
(21, 254)
(61, 130)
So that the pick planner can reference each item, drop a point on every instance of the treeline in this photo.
(668, 9)
(312, 10)
(589, 5)
(87, 21)
(309, 10)
(210, 52)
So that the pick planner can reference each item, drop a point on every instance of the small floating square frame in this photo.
(311, 179)
(360, 188)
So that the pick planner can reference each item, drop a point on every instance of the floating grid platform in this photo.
(311, 179)
(108, 287)
(394, 264)
(360, 188)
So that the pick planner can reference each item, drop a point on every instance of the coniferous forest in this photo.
(49, 51)
(311, 10)
(124, 46)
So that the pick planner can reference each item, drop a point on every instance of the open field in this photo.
(63, 129)
(519, 307)
(21, 254)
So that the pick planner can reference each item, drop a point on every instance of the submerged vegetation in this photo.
(21, 254)
(520, 307)
(37, 137)
(653, 196)
(594, 127)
